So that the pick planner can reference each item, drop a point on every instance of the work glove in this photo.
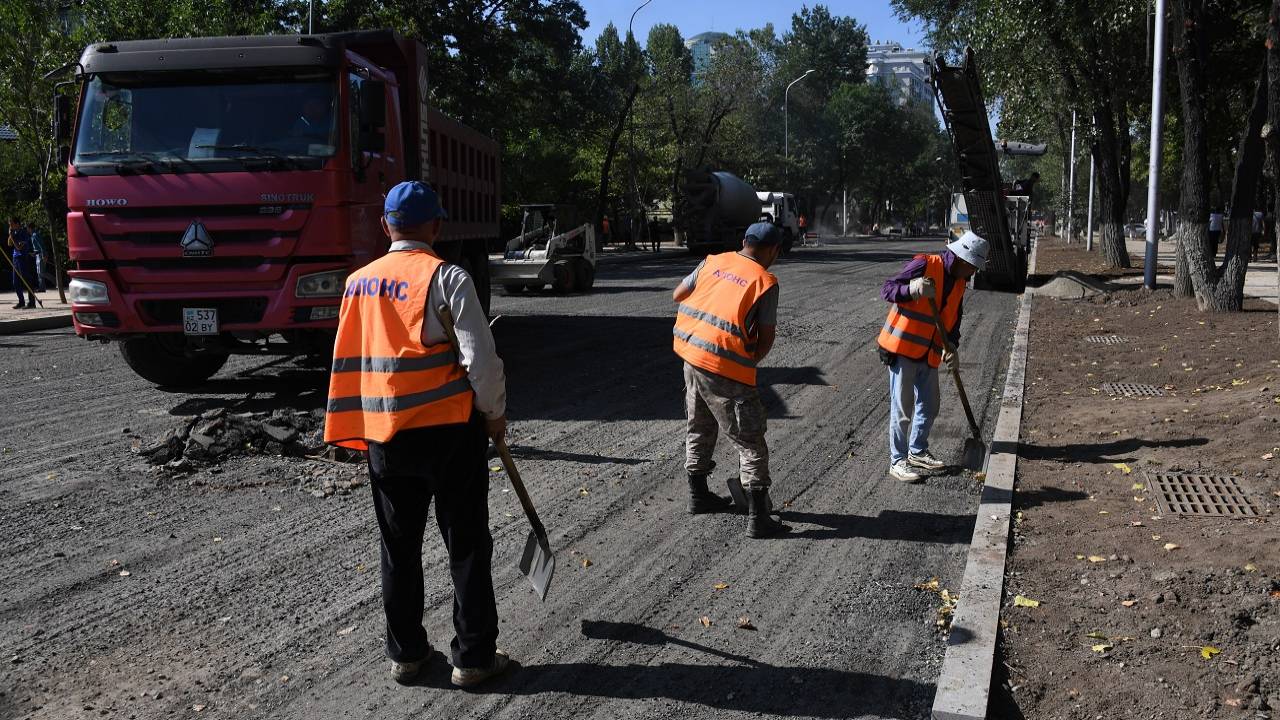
(952, 360)
(921, 287)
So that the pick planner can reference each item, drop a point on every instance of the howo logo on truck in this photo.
(106, 202)
(287, 197)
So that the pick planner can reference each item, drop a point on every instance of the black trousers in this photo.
(446, 463)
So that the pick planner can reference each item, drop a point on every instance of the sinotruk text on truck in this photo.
(220, 190)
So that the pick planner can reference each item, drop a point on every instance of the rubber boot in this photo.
(760, 524)
(702, 500)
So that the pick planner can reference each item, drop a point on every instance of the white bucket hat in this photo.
(972, 249)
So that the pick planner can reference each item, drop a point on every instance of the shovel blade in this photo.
(737, 493)
(538, 564)
(974, 456)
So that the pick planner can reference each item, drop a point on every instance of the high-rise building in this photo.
(903, 71)
(703, 47)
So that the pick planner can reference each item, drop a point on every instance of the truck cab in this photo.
(780, 209)
(220, 190)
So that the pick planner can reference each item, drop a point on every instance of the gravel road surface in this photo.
(130, 592)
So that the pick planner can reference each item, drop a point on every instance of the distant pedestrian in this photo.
(1215, 228)
(421, 402)
(910, 346)
(23, 265)
(38, 248)
(725, 325)
(1255, 235)
(604, 229)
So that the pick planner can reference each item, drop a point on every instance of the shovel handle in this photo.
(446, 321)
(505, 453)
(946, 344)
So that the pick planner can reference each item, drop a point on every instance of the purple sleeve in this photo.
(895, 289)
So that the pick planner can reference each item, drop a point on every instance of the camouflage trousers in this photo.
(713, 403)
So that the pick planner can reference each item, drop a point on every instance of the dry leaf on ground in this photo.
(720, 586)
(1122, 467)
(1171, 546)
(931, 585)
(586, 562)
(744, 623)
(1208, 651)
(1020, 601)
(706, 621)
(1096, 559)
(1128, 603)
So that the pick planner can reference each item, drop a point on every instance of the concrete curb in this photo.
(964, 686)
(47, 322)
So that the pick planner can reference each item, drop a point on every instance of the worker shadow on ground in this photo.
(902, 525)
(1106, 452)
(739, 684)
(1046, 495)
(608, 368)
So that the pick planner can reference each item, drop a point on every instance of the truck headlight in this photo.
(319, 285)
(88, 292)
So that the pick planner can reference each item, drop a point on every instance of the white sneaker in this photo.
(902, 471)
(467, 677)
(926, 461)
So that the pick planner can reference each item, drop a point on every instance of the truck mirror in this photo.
(62, 118)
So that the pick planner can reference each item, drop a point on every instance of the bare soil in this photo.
(1142, 613)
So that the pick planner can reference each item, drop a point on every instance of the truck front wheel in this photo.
(164, 362)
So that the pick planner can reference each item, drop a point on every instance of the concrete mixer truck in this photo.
(714, 209)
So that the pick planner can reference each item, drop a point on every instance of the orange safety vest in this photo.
(384, 379)
(909, 330)
(710, 331)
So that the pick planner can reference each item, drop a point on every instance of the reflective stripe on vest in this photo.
(710, 331)
(384, 379)
(909, 329)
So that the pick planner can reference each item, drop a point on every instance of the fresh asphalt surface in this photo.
(252, 599)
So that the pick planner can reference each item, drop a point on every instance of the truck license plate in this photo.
(200, 321)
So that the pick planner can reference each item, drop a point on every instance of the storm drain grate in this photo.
(1202, 496)
(1107, 339)
(1132, 389)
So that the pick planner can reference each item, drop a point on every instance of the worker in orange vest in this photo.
(725, 325)
(910, 346)
(423, 409)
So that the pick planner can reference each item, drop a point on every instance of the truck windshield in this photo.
(205, 123)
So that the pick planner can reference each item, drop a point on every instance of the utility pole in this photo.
(310, 12)
(1088, 243)
(1071, 188)
(786, 132)
(844, 213)
(631, 133)
(1153, 170)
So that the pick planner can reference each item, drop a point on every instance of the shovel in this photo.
(537, 563)
(975, 451)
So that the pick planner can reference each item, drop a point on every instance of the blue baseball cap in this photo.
(412, 203)
(763, 233)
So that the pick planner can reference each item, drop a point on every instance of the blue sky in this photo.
(695, 16)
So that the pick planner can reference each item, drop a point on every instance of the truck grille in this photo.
(230, 310)
(220, 237)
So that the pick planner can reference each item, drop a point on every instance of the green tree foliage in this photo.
(562, 112)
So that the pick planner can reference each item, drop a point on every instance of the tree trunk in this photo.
(1112, 196)
(603, 201)
(1190, 51)
(1222, 289)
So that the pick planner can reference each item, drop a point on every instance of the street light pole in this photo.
(786, 129)
(1153, 170)
(631, 124)
(1071, 188)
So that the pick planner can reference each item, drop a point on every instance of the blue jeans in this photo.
(24, 268)
(913, 406)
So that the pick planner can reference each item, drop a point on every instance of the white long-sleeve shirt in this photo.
(477, 353)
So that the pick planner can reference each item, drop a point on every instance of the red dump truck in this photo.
(220, 190)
